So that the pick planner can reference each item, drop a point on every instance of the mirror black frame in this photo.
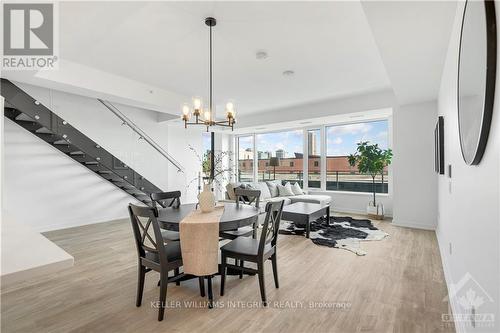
(491, 64)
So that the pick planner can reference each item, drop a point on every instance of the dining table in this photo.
(233, 217)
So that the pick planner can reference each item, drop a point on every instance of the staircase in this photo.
(39, 120)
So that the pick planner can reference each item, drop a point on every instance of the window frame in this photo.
(323, 158)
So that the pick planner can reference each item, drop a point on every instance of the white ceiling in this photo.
(336, 49)
(413, 39)
(165, 44)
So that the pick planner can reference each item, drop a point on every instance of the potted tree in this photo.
(371, 159)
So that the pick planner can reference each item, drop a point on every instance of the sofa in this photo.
(273, 191)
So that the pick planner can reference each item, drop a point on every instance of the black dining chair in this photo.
(256, 251)
(164, 200)
(153, 253)
(248, 197)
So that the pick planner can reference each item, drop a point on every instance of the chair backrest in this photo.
(166, 199)
(271, 225)
(247, 196)
(143, 220)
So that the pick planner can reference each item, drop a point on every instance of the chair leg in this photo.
(210, 294)
(176, 273)
(274, 261)
(262, 283)
(223, 275)
(163, 295)
(241, 272)
(140, 285)
(202, 286)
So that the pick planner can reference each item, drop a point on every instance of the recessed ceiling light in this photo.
(260, 55)
(288, 73)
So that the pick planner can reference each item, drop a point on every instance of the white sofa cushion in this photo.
(312, 198)
(296, 189)
(264, 191)
(285, 190)
(273, 187)
(287, 200)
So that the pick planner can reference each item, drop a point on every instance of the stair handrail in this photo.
(126, 121)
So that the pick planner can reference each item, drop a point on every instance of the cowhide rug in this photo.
(343, 232)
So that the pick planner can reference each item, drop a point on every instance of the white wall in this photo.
(47, 190)
(41, 173)
(414, 179)
(469, 217)
(179, 141)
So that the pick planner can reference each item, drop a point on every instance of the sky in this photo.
(341, 139)
(207, 141)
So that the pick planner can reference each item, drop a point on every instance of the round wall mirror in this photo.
(476, 78)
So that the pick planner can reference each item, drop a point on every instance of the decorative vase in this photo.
(206, 199)
(375, 212)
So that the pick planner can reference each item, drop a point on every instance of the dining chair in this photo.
(248, 197)
(165, 200)
(153, 253)
(256, 251)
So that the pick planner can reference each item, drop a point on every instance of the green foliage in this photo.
(206, 162)
(371, 160)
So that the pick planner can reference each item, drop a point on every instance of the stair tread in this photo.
(24, 117)
(59, 141)
(43, 130)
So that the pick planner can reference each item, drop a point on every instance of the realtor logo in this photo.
(470, 298)
(29, 36)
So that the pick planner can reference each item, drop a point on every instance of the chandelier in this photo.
(206, 117)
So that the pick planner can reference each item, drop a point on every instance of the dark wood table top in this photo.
(233, 217)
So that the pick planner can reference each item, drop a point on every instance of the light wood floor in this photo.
(397, 287)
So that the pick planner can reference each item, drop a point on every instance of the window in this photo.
(314, 156)
(280, 156)
(341, 141)
(245, 153)
(206, 153)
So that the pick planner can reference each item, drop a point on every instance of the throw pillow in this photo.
(296, 189)
(273, 187)
(230, 190)
(264, 191)
(285, 190)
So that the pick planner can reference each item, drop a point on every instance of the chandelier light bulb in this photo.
(229, 107)
(207, 115)
(185, 109)
(197, 103)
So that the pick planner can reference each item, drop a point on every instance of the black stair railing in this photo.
(33, 116)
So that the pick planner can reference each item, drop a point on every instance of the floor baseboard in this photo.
(459, 326)
(413, 225)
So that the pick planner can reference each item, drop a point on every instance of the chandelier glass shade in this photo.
(195, 114)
